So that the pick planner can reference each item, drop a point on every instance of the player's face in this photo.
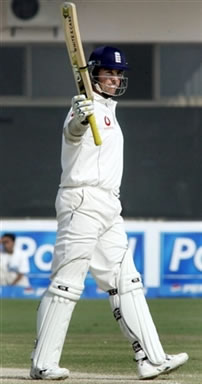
(8, 244)
(109, 80)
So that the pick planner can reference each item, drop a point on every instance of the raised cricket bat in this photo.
(77, 59)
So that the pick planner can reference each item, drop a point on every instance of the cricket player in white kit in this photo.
(91, 233)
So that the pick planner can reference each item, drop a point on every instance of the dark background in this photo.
(163, 131)
(163, 161)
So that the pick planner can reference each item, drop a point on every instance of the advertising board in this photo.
(168, 256)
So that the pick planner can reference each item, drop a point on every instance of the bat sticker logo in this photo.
(77, 73)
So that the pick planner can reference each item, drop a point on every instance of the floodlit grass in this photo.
(95, 343)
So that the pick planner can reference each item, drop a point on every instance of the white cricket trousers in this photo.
(90, 236)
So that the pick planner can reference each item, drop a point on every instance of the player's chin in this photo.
(111, 91)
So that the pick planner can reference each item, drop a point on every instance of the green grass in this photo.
(95, 343)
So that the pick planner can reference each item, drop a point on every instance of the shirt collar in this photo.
(109, 102)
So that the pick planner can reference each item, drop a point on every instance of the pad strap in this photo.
(65, 289)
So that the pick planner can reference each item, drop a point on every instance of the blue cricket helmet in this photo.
(108, 57)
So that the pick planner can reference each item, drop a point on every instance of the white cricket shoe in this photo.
(147, 370)
(55, 373)
(174, 361)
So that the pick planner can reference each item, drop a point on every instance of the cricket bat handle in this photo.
(94, 129)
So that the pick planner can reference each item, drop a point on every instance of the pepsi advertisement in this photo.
(168, 256)
(181, 263)
(37, 245)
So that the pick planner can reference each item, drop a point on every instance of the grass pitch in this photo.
(95, 346)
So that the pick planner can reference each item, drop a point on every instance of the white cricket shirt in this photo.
(11, 265)
(84, 163)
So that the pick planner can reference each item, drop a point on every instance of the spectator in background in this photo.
(13, 265)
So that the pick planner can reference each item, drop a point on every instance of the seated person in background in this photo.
(13, 265)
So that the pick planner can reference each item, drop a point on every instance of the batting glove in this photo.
(82, 108)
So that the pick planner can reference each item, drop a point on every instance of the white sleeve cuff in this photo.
(74, 130)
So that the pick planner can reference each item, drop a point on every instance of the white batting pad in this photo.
(135, 311)
(53, 318)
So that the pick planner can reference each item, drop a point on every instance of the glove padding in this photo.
(82, 108)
